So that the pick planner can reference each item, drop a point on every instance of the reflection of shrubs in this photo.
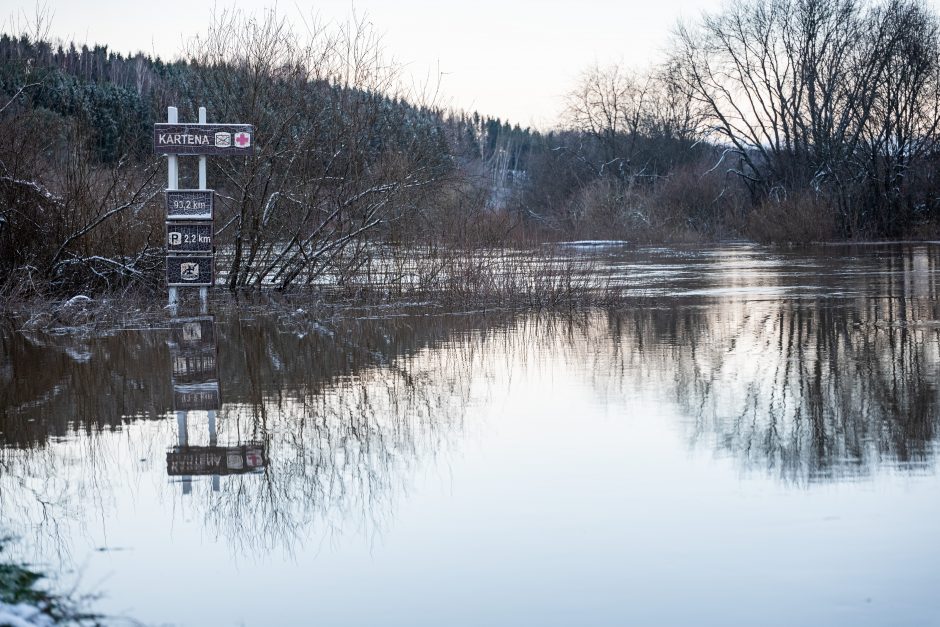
(800, 217)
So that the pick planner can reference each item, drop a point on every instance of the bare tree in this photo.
(67, 218)
(334, 156)
(609, 104)
(902, 133)
(797, 90)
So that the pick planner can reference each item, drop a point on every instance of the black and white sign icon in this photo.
(188, 270)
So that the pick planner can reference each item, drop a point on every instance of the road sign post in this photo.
(172, 183)
(204, 291)
(191, 246)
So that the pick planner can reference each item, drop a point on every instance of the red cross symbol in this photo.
(243, 139)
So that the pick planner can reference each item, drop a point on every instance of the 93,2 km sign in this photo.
(190, 204)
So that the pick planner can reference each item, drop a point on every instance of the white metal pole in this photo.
(182, 432)
(172, 182)
(203, 291)
(202, 159)
(213, 440)
(213, 436)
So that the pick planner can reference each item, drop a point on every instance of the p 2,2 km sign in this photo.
(188, 270)
(203, 139)
(189, 237)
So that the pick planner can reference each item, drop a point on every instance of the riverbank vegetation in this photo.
(773, 120)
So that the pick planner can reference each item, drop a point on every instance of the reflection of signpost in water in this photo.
(195, 377)
(197, 397)
(194, 367)
(215, 460)
(190, 333)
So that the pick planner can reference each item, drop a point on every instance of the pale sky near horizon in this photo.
(514, 59)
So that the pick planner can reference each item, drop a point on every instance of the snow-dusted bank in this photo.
(592, 244)
(24, 615)
(26, 602)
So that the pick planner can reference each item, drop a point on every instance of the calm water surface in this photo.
(755, 444)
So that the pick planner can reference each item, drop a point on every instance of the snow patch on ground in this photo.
(594, 243)
(78, 355)
(80, 299)
(23, 615)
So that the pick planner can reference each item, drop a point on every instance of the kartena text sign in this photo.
(203, 139)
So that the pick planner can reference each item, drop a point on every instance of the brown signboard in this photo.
(189, 237)
(203, 139)
(190, 204)
(197, 397)
(198, 332)
(195, 367)
(189, 270)
(215, 460)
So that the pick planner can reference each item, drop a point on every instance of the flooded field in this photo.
(752, 443)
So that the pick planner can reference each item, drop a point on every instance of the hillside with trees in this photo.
(774, 120)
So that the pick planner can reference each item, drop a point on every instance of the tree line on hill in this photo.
(779, 120)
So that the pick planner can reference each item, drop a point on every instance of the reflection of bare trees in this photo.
(805, 389)
(54, 384)
(338, 457)
(345, 414)
(809, 388)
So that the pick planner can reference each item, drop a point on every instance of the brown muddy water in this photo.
(755, 444)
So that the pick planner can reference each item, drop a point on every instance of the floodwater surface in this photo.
(754, 442)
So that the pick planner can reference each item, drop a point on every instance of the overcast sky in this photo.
(509, 58)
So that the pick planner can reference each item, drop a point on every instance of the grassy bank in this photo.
(383, 281)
